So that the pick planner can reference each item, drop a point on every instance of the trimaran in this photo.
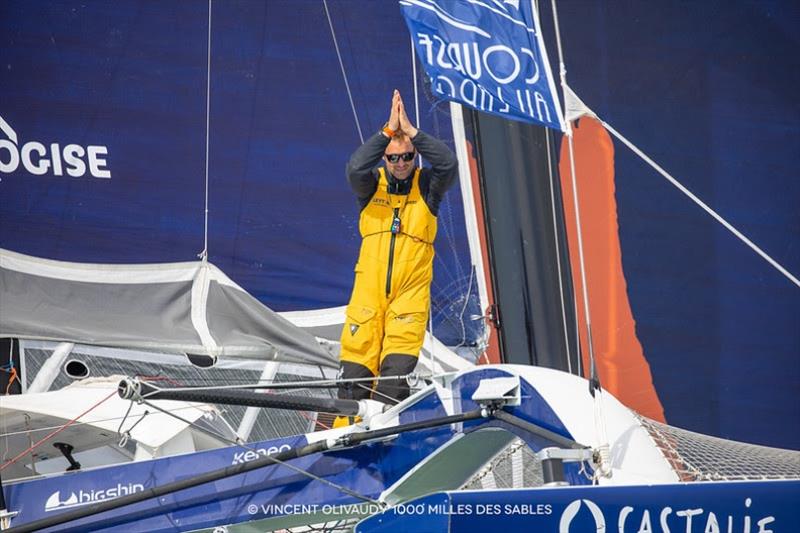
(146, 453)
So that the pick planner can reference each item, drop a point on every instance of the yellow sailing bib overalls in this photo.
(388, 309)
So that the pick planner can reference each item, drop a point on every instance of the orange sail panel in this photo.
(492, 353)
(621, 364)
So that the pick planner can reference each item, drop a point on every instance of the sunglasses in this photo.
(394, 158)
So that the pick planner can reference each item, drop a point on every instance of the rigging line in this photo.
(594, 380)
(446, 225)
(431, 357)
(240, 443)
(192, 424)
(414, 79)
(558, 252)
(587, 315)
(584, 289)
(7, 448)
(416, 91)
(701, 204)
(304, 384)
(54, 433)
(204, 253)
(579, 355)
(259, 385)
(76, 424)
(561, 64)
(419, 163)
(124, 418)
(124, 437)
(12, 376)
(374, 392)
(464, 307)
(344, 73)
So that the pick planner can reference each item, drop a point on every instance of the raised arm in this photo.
(360, 169)
(442, 160)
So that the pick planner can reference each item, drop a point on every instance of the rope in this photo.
(158, 378)
(414, 78)
(581, 261)
(416, 92)
(56, 432)
(702, 205)
(49, 428)
(432, 355)
(578, 337)
(344, 73)
(124, 438)
(312, 419)
(395, 401)
(587, 315)
(204, 254)
(191, 424)
(10, 368)
(603, 449)
(594, 380)
(11, 378)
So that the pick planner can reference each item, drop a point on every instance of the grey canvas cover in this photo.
(190, 307)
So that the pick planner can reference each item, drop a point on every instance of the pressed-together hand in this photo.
(405, 124)
(394, 114)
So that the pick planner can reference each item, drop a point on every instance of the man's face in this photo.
(401, 169)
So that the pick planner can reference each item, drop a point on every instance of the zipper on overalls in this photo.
(395, 231)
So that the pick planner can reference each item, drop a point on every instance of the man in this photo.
(390, 302)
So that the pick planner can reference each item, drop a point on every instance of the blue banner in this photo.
(489, 56)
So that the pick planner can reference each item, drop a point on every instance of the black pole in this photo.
(524, 425)
(130, 390)
(352, 439)
(233, 470)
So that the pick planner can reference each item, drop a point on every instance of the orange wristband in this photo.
(389, 132)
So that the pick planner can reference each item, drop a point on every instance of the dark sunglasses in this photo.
(394, 158)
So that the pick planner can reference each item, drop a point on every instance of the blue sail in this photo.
(108, 107)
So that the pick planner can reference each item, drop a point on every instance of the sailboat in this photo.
(440, 439)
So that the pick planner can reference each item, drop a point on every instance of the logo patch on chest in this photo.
(353, 329)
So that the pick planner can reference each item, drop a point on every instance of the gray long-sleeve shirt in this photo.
(362, 172)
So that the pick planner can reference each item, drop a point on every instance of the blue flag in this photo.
(487, 54)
